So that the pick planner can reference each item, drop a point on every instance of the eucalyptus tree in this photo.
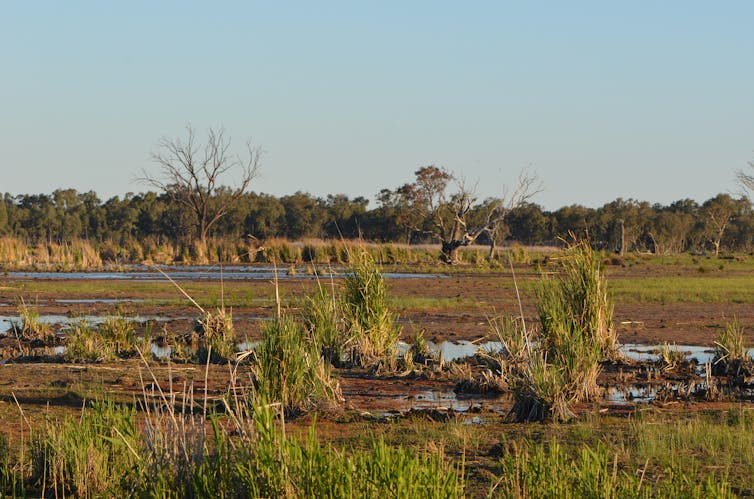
(717, 215)
(193, 174)
(445, 213)
(343, 216)
(304, 215)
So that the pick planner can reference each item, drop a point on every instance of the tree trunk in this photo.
(622, 237)
(450, 251)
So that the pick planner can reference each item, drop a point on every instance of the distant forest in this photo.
(720, 223)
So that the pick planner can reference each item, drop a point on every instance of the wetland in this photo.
(434, 401)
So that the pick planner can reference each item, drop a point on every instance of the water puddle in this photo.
(7, 322)
(200, 273)
(440, 400)
(161, 352)
(452, 351)
(444, 401)
(625, 395)
(651, 353)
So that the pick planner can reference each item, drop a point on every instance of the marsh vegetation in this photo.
(320, 387)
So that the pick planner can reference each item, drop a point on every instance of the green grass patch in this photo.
(683, 289)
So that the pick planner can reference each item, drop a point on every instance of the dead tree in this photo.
(745, 180)
(191, 175)
(448, 214)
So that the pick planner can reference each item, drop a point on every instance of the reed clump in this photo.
(576, 334)
(83, 343)
(215, 335)
(30, 328)
(545, 382)
(368, 319)
(288, 369)
(576, 303)
(731, 355)
(671, 357)
(121, 333)
(323, 318)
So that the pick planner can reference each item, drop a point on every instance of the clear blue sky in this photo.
(652, 100)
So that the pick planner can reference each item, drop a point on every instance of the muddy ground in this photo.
(448, 307)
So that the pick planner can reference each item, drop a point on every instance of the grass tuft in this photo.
(369, 321)
(731, 354)
(84, 344)
(30, 328)
(288, 369)
(576, 334)
(323, 318)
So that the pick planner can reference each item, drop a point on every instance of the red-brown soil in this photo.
(455, 307)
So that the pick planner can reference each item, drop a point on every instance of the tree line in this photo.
(723, 222)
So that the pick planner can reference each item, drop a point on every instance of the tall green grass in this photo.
(87, 456)
(549, 471)
(368, 319)
(281, 466)
(242, 452)
(30, 328)
(731, 354)
(576, 334)
(289, 369)
(323, 317)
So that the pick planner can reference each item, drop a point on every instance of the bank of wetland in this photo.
(568, 373)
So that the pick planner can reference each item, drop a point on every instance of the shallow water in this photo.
(455, 350)
(651, 353)
(161, 352)
(7, 321)
(201, 273)
(624, 395)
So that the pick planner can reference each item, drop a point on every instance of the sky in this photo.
(651, 100)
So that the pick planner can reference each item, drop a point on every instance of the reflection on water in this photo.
(429, 399)
(651, 353)
(161, 352)
(455, 350)
(630, 394)
(451, 351)
(7, 321)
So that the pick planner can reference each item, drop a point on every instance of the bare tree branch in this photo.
(745, 180)
(192, 175)
(449, 215)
